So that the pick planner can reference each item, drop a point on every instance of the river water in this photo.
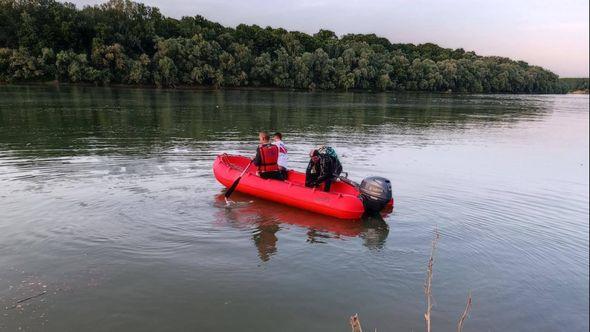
(111, 219)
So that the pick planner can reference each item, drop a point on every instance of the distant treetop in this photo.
(126, 42)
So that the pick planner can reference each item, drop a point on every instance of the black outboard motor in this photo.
(375, 193)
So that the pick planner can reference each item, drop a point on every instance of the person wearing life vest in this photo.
(283, 157)
(267, 157)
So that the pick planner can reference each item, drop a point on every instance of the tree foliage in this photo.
(121, 41)
(576, 84)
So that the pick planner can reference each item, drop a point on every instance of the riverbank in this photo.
(579, 92)
(576, 85)
(185, 87)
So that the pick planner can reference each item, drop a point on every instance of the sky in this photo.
(552, 34)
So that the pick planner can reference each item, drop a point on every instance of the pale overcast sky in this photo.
(552, 34)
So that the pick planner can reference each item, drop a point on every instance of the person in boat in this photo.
(283, 157)
(267, 157)
(324, 167)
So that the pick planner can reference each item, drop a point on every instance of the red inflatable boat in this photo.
(344, 200)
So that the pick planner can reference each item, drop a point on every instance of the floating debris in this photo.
(17, 304)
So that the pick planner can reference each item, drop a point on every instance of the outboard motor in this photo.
(375, 193)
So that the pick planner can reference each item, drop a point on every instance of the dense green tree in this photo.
(574, 84)
(5, 54)
(72, 67)
(261, 71)
(111, 61)
(121, 41)
(139, 72)
(282, 69)
(302, 73)
(27, 36)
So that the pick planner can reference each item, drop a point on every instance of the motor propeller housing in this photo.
(375, 193)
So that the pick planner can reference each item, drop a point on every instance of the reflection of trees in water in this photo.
(87, 119)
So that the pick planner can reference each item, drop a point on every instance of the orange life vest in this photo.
(269, 156)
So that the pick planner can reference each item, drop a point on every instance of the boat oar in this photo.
(235, 184)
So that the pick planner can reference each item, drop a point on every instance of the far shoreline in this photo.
(183, 87)
(579, 92)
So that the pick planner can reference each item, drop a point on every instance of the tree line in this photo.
(126, 42)
(576, 84)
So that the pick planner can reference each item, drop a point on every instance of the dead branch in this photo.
(465, 313)
(17, 303)
(428, 283)
(355, 323)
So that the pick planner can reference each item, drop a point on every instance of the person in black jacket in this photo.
(324, 167)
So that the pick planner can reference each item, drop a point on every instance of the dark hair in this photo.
(279, 135)
(265, 135)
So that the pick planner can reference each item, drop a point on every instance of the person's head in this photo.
(277, 137)
(263, 137)
(314, 156)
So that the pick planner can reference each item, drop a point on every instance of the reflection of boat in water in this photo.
(345, 200)
(269, 218)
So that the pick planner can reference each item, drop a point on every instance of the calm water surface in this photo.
(111, 219)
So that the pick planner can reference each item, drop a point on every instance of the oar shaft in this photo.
(231, 189)
(245, 169)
